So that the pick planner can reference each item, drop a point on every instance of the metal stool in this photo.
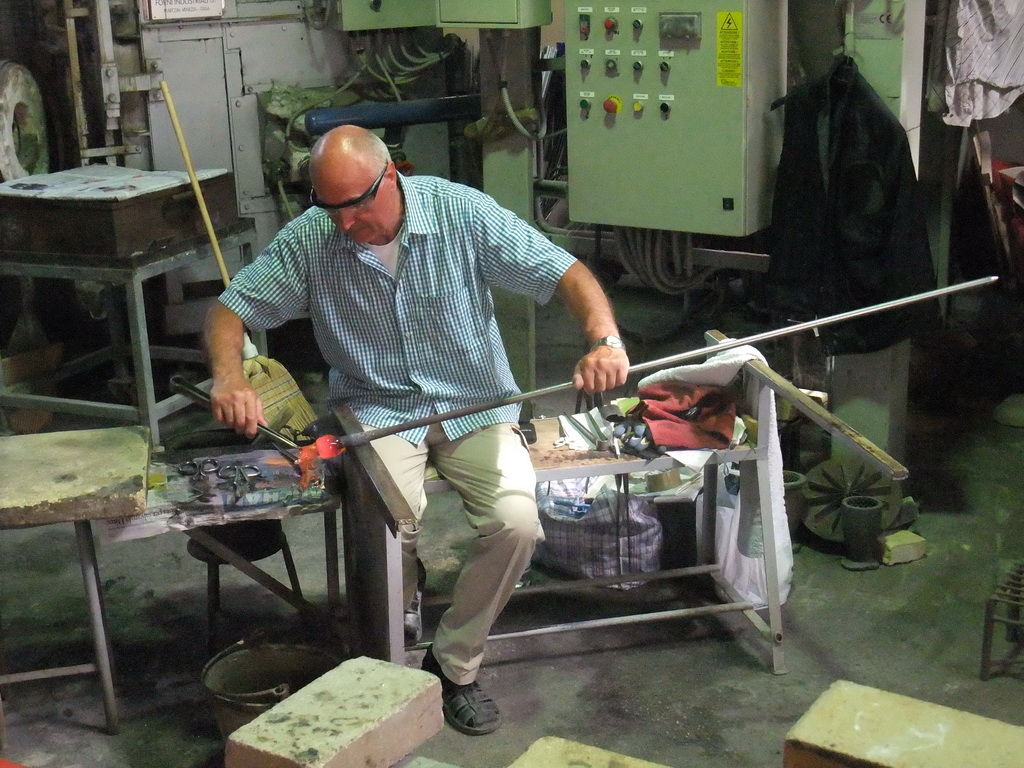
(1004, 607)
(251, 539)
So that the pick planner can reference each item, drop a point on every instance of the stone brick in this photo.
(363, 714)
(854, 726)
(85, 474)
(902, 547)
(552, 752)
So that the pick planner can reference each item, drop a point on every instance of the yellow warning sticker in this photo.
(729, 64)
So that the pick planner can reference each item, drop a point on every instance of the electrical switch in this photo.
(665, 66)
(585, 65)
(637, 25)
(638, 67)
(613, 105)
(584, 26)
(665, 109)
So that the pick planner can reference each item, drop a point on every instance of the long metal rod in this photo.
(361, 438)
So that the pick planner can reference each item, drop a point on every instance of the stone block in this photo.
(364, 713)
(902, 547)
(854, 726)
(552, 752)
(83, 474)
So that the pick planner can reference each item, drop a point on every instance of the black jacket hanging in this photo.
(848, 219)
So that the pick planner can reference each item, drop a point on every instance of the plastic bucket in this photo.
(246, 679)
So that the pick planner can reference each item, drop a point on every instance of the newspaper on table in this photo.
(100, 182)
(177, 500)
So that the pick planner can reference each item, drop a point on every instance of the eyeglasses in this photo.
(366, 197)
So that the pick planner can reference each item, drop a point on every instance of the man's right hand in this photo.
(235, 403)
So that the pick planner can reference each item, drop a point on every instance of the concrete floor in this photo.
(679, 693)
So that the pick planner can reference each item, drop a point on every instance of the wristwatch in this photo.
(608, 341)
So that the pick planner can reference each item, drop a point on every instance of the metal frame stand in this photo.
(129, 276)
(97, 615)
(372, 509)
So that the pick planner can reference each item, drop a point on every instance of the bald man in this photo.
(396, 274)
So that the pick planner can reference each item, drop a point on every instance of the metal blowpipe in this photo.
(361, 438)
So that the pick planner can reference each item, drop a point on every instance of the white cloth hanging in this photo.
(977, 59)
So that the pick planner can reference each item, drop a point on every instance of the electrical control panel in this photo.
(669, 113)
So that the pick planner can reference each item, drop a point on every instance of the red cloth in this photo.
(684, 415)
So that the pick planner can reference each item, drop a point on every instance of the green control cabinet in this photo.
(362, 15)
(670, 123)
(494, 14)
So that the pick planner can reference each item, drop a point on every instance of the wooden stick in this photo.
(195, 185)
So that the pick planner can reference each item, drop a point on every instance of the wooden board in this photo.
(87, 474)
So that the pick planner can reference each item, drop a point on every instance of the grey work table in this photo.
(128, 274)
(75, 477)
(373, 507)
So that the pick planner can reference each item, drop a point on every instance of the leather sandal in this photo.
(469, 710)
(466, 708)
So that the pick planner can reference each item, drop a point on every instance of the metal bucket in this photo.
(246, 679)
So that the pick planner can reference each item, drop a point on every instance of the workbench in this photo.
(372, 506)
(75, 477)
(127, 274)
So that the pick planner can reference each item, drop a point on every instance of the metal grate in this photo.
(1004, 607)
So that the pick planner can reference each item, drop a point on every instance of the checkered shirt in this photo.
(425, 342)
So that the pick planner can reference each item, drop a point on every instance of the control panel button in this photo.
(611, 26)
(584, 26)
(613, 105)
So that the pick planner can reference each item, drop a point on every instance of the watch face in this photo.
(610, 341)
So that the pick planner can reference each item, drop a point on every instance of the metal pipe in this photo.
(575, 626)
(394, 113)
(361, 438)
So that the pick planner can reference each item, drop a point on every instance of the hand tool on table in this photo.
(362, 438)
(590, 437)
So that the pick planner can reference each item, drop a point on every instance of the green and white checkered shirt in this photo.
(425, 342)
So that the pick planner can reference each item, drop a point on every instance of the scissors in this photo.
(229, 471)
(194, 467)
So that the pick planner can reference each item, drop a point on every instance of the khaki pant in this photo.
(492, 472)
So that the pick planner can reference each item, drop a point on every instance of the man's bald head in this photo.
(351, 169)
(342, 148)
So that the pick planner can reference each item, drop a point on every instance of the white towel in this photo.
(738, 542)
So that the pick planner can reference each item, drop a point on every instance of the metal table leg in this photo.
(91, 577)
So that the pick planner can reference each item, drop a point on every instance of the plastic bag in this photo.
(592, 529)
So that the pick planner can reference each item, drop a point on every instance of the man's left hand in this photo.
(601, 369)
